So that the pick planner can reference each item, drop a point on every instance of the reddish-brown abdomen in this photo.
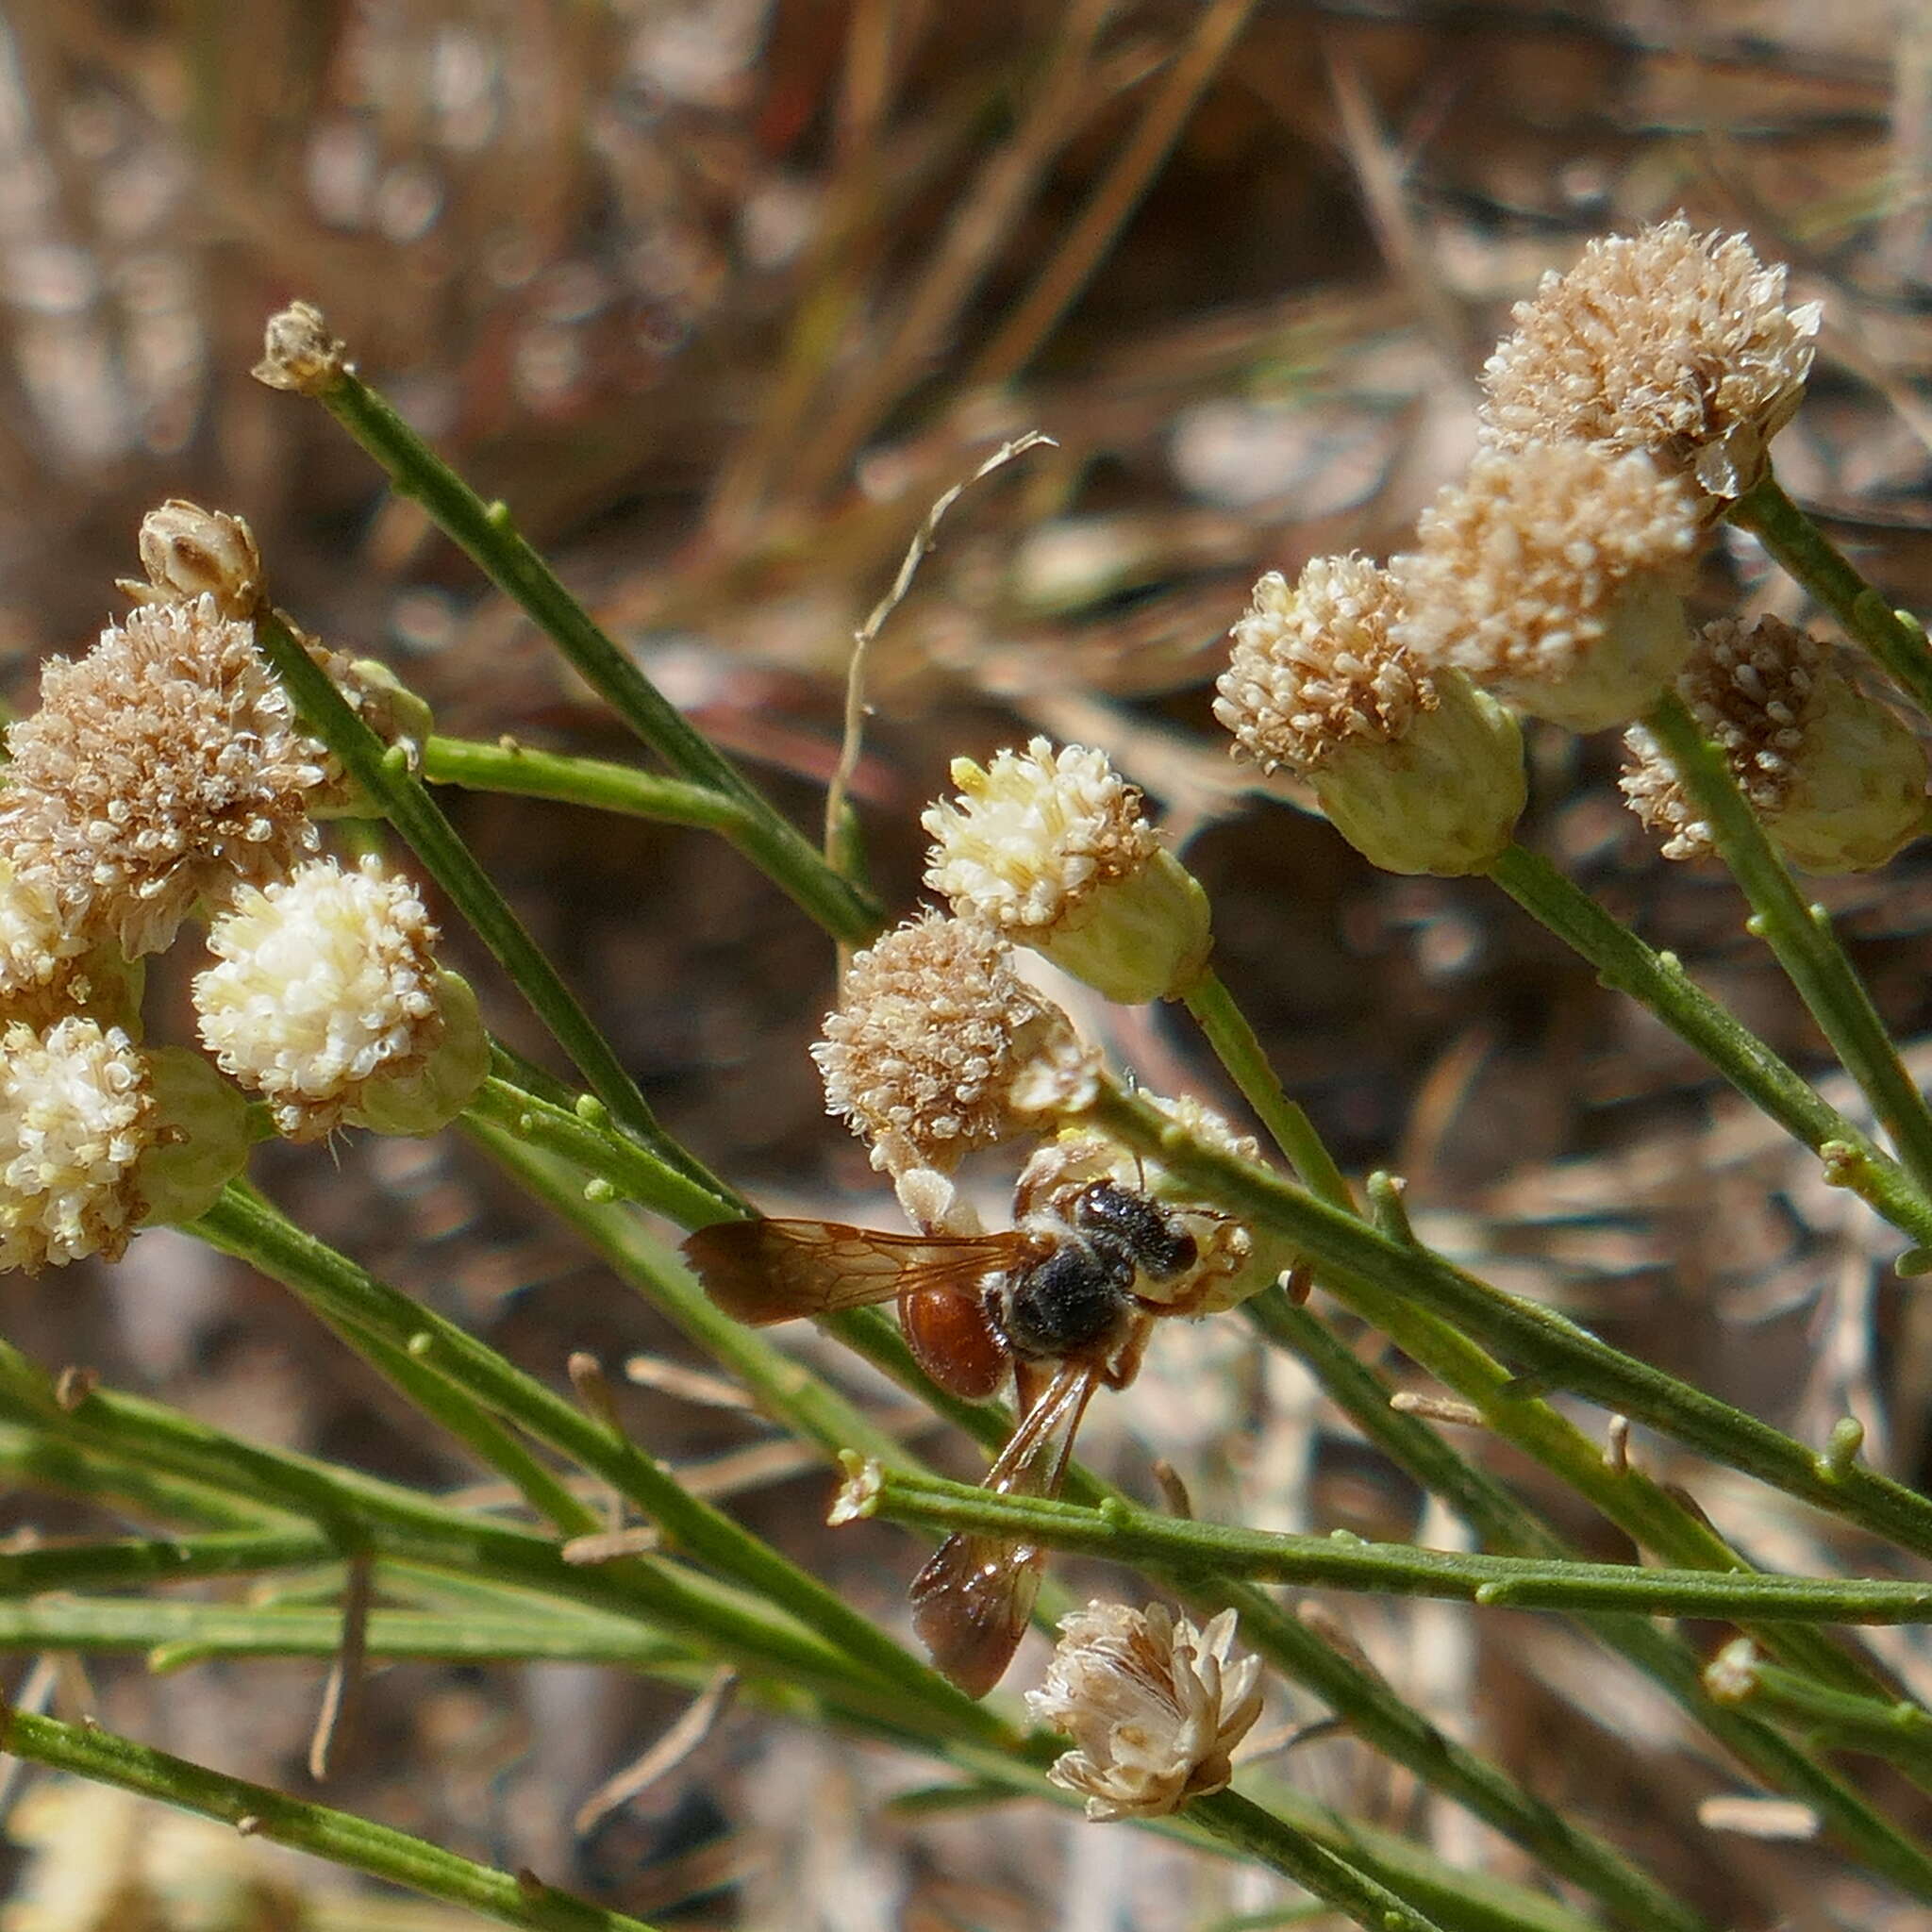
(954, 1339)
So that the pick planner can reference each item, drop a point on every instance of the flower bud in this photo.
(1050, 849)
(201, 1137)
(422, 1100)
(1420, 773)
(1837, 780)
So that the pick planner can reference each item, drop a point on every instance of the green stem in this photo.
(1809, 556)
(487, 535)
(1124, 1533)
(580, 1136)
(1802, 938)
(1898, 1730)
(244, 1224)
(1658, 981)
(385, 777)
(31, 1460)
(156, 1559)
(1330, 1877)
(87, 1751)
(1235, 1044)
(526, 772)
(1537, 1340)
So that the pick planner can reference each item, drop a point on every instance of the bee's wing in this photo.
(971, 1602)
(770, 1270)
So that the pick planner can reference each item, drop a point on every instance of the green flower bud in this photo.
(200, 1136)
(426, 1098)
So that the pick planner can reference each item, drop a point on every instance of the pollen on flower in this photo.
(1313, 666)
(163, 767)
(1667, 340)
(75, 1115)
(1155, 1708)
(1555, 576)
(325, 982)
(937, 1046)
(1033, 835)
(1837, 778)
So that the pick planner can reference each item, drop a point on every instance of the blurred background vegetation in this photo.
(718, 296)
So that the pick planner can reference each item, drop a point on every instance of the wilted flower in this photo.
(162, 767)
(939, 1048)
(1555, 576)
(1419, 771)
(76, 1114)
(188, 552)
(1155, 1708)
(326, 982)
(298, 351)
(1837, 780)
(1050, 848)
(1669, 341)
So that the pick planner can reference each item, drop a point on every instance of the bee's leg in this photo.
(1125, 1362)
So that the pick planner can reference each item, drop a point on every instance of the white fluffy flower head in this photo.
(1155, 1708)
(75, 1114)
(326, 981)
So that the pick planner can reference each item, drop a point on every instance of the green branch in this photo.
(87, 1751)
(1658, 981)
(1809, 556)
(1196, 1552)
(1801, 937)
(485, 534)
(526, 772)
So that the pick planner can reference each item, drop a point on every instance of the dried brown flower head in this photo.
(1420, 773)
(1555, 576)
(1155, 1708)
(1837, 780)
(163, 766)
(937, 1046)
(298, 351)
(188, 552)
(1668, 341)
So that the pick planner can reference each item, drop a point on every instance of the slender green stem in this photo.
(485, 534)
(1659, 982)
(527, 773)
(409, 806)
(1809, 556)
(31, 1460)
(1235, 1044)
(242, 1223)
(1802, 938)
(1312, 1866)
(363, 1845)
(1537, 1340)
(1896, 1729)
(1124, 1533)
(156, 1559)
(581, 1135)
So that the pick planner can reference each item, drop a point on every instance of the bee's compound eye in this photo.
(1064, 1303)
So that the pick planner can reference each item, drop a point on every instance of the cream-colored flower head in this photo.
(1555, 576)
(75, 1117)
(1669, 341)
(1837, 778)
(36, 954)
(1155, 1708)
(939, 1048)
(1051, 848)
(163, 767)
(188, 552)
(325, 983)
(1420, 773)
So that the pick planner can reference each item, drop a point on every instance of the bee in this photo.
(1064, 1300)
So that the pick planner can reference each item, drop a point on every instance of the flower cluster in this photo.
(1636, 397)
(164, 778)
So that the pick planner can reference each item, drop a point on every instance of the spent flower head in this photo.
(1155, 1708)
(1051, 849)
(937, 1046)
(75, 1116)
(1419, 771)
(1837, 780)
(298, 353)
(325, 983)
(188, 552)
(1669, 341)
(163, 767)
(1555, 576)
